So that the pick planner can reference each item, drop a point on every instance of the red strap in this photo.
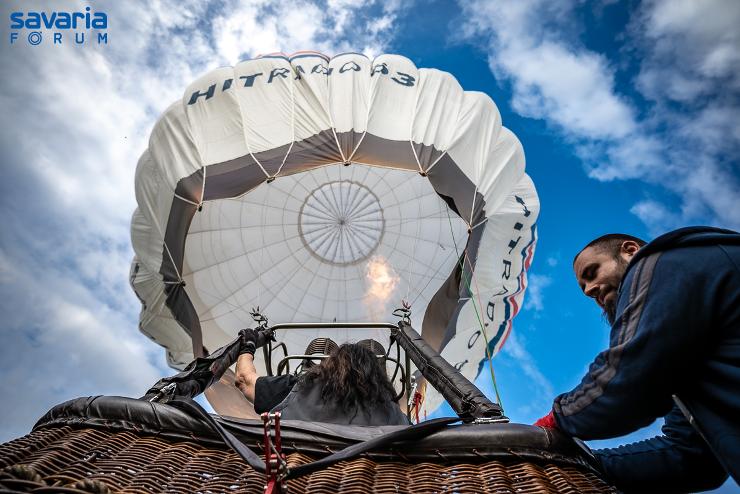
(272, 486)
(417, 404)
(273, 460)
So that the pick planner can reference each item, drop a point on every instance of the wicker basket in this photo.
(99, 456)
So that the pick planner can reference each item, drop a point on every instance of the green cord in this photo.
(467, 280)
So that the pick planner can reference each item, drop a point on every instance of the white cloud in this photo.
(572, 89)
(551, 79)
(535, 296)
(516, 349)
(259, 27)
(61, 341)
(74, 120)
(691, 57)
(541, 389)
(702, 38)
(688, 55)
(656, 215)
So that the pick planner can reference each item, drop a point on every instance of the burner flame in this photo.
(381, 283)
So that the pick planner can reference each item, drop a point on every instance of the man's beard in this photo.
(610, 308)
(610, 313)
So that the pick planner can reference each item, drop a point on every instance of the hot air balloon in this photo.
(328, 195)
(331, 189)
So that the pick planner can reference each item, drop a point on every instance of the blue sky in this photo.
(627, 112)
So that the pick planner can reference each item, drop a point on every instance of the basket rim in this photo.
(456, 443)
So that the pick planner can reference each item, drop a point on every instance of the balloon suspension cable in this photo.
(202, 190)
(416, 157)
(249, 150)
(198, 204)
(179, 281)
(336, 138)
(292, 128)
(466, 281)
(434, 163)
(345, 161)
(357, 146)
(364, 132)
(485, 334)
(410, 264)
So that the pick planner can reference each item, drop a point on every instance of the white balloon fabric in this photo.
(330, 189)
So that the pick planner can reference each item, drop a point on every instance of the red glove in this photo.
(547, 421)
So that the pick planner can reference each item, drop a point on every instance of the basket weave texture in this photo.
(75, 460)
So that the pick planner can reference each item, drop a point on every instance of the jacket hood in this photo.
(685, 237)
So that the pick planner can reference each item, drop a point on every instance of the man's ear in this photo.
(629, 248)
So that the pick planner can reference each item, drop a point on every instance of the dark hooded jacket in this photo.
(674, 352)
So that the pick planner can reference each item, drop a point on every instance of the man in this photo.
(349, 387)
(674, 351)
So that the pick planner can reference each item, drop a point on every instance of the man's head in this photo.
(600, 266)
(352, 376)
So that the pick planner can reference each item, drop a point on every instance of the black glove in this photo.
(252, 339)
(248, 339)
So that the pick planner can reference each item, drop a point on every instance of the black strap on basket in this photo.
(410, 433)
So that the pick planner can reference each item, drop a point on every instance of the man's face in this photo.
(599, 274)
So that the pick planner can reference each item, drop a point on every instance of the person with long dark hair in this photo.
(350, 386)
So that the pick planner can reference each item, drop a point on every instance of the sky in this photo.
(627, 112)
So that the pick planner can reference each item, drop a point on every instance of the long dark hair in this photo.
(351, 377)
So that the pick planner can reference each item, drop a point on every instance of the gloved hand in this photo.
(547, 421)
(248, 337)
(252, 339)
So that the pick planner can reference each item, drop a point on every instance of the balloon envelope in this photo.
(330, 189)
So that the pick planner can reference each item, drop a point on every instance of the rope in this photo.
(434, 163)
(477, 313)
(174, 266)
(292, 126)
(334, 132)
(199, 205)
(485, 337)
(367, 120)
(203, 189)
(186, 200)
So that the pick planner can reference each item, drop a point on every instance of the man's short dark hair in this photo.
(611, 242)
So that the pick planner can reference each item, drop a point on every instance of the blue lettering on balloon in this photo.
(249, 79)
(381, 68)
(281, 72)
(349, 66)
(322, 69)
(208, 94)
(404, 79)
